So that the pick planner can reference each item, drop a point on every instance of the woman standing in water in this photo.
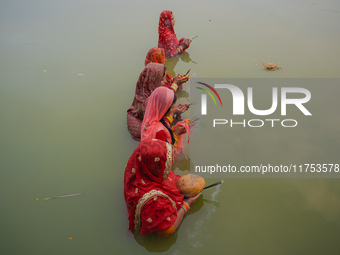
(152, 77)
(153, 201)
(159, 117)
(157, 55)
(167, 38)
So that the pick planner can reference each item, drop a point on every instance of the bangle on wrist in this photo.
(185, 206)
(170, 118)
(176, 139)
(174, 86)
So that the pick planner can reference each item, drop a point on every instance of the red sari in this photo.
(167, 38)
(150, 189)
(157, 55)
(149, 80)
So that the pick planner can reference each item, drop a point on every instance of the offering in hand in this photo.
(190, 185)
(184, 76)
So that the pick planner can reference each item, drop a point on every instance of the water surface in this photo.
(68, 72)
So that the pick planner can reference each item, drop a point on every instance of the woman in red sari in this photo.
(158, 118)
(157, 55)
(153, 201)
(167, 38)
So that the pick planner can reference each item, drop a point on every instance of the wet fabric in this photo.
(134, 126)
(159, 103)
(148, 81)
(150, 189)
(157, 55)
(166, 35)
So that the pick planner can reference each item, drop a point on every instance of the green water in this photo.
(68, 71)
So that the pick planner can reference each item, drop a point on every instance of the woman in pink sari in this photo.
(167, 38)
(158, 118)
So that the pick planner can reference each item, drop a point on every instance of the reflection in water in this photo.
(195, 207)
(183, 93)
(155, 243)
(194, 236)
(63, 131)
(217, 204)
(172, 62)
(185, 57)
(182, 162)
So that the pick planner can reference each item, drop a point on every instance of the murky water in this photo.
(68, 74)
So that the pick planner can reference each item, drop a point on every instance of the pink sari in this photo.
(149, 80)
(159, 103)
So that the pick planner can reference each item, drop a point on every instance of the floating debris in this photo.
(70, 238)
(37, 199)
(45, 71)
(270, 66)
(80, 75)
(72, 195)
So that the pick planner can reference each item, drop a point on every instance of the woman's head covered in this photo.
(159, 103)
(150, 78)
(148, 176)
(155, 55)
(156, 158)
(165, 21)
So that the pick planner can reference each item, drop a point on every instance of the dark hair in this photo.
(164, 71)
(164, 123)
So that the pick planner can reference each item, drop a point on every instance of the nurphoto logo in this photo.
(238, 104)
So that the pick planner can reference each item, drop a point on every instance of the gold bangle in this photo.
(176, 138)
(170, 118)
